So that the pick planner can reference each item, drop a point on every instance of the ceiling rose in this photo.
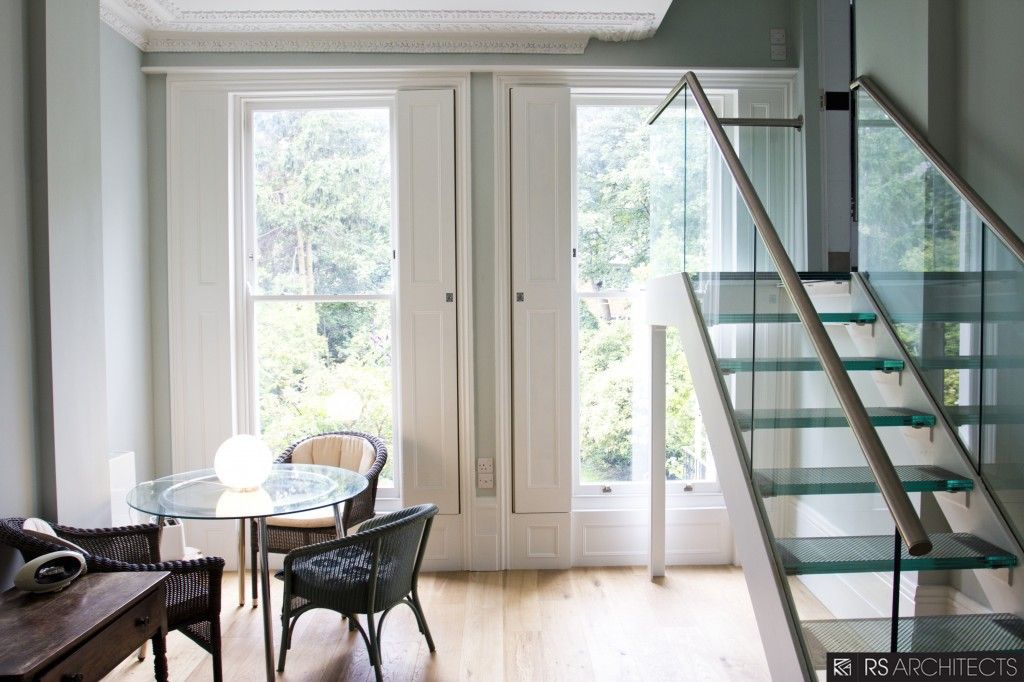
(417, 26)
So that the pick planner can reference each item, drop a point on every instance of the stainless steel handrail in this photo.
(908, 523)
(797, 123)
(1007, 236)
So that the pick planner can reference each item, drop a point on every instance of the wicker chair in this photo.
(193, 588)
(351, 450)
(367, 573)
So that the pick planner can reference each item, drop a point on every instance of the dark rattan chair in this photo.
(193, 588)
(351, 450)
(367, 573)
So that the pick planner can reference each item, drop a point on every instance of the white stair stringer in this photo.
(671, 302)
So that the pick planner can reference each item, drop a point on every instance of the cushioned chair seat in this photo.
(312, 518)
(335, 450)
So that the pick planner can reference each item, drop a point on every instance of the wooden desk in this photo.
(84, 631)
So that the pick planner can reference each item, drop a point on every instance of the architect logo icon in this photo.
(842, 667)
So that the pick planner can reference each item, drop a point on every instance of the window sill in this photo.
(682, 500)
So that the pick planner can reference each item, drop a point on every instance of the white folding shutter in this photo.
(541, 307)
(426, 289)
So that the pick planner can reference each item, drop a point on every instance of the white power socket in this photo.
(485, 481)
(485, 465)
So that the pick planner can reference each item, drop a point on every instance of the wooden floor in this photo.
(582, 624)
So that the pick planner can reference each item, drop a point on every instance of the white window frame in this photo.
(622, 493)
(388, 497)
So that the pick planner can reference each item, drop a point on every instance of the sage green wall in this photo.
(68, 275)
(990, 100)
(892, 48)
(955, 66)
(17, 414)
(126, 250)
(694, 33)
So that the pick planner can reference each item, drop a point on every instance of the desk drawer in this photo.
(114, 643)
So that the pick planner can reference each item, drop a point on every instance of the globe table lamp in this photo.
(243, 462)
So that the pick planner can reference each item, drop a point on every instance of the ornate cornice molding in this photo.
(397, 44)
(117, 22)
(162, 26)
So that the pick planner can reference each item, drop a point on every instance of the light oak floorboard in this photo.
(580, 624)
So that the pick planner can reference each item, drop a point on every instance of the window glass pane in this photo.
(613, 186)
(687, 453)
(323, 201)
(606, 379)
(613, 216)
(324, 367)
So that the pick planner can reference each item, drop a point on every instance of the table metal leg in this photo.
(241, 562)
(338, 527)
(268, 632)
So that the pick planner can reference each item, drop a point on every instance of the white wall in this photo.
(126, 247)
(17, 485)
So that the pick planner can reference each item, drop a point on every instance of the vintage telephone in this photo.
(50, 572)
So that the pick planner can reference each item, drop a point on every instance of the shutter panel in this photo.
(541, 321)
(428, 399)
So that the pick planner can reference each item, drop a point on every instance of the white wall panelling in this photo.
(541, 311)
(445, 548)
(209, 393)
(584, 81)
(617, 537)
(200, 289)
(426, 266)
(541, 541)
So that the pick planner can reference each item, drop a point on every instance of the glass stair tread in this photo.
(807, 364)
(853, 480)
(968, 415)
(869, 553)
(768, 276)
(975, 632)
(943, 277)
(970, 362)
(828, 417)
(769, 318)
(954, 316)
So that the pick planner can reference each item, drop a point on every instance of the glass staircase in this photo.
(887, 485)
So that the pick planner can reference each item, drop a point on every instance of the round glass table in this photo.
(289, 489)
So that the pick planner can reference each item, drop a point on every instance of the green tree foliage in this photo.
(911, 223)
(615, 162)
(323, 216)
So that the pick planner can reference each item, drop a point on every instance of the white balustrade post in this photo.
(656, 552)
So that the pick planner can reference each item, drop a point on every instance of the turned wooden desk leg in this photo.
(160, 655)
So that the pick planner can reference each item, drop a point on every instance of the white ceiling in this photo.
(546, 26)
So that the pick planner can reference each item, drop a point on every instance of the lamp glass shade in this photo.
(243, 462)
